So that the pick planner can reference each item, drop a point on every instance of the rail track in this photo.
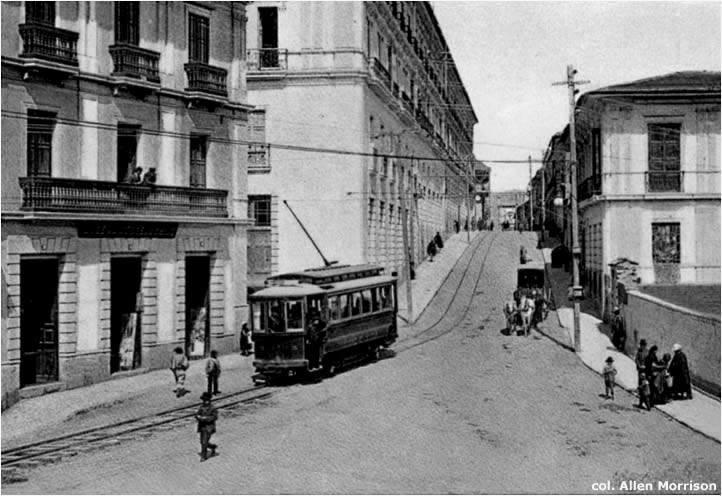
(55, 449)
(431, 331)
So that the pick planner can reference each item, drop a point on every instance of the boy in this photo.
(644, 392)
(213, 371)
(609, 372)
(179, 365)
(206, 417)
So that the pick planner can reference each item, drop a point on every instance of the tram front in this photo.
(279, 330)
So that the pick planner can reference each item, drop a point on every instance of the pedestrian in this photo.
(439, 242)
(245, 340)
(653, 369)
(641, 357)
(491, 226)
(609, 372)
(213, 372)
(679, 370)
(645, 400)
(619, 334)
(179, 365)
(431, 250)
(206, 417)
(456, 226)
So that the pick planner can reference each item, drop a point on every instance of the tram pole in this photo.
(402, 182)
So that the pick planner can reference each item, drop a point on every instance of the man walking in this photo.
(213, 372)
(641, 358)
(179, 365)
(206, 417)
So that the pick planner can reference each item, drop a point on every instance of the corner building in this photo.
(103, 275)
(377, 80)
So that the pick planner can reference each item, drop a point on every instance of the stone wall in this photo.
(663, 324)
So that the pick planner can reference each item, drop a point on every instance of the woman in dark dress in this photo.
(679, 370)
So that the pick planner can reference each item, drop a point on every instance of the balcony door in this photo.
(198, 151)
(268, 34)
(127, 151)
(38, 321)
(40, 13)
(664, 157)
(127, 23)
(198, 38)
(40, 142)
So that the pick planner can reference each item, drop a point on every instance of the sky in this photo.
(509, 53)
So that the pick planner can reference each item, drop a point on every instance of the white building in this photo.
(371, 79)
(649, 180)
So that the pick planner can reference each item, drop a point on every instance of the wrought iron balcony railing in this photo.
(424, 121)
(589, 187)
(55, 194)
(206, 79)
(135, 62)
(258, 157)
(261, 59)
(49, 43)
(381, 72)
(664, 181)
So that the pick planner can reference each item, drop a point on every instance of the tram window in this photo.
(258, 312)
(355, 303)
(343, 303)
(294, 313)
(386, 297)
(375, 300)
(366, 300)
(276, 316)
(315, 306)
(334, 307)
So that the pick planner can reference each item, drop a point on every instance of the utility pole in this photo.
(543, 202)
(531, 199)
(405, 235)
(576, 251)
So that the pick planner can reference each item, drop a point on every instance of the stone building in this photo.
(123, 187)
(368, 124)
(649, 181)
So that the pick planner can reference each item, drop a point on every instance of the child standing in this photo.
(644, 392)
(609, 372)
(213, 371)
(206, 417)
(179, 365)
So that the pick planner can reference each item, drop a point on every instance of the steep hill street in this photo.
(461, 408)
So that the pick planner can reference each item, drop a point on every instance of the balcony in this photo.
(663, 181)
(130, 61)
(424, 122)
(55, 194)
(264, 59)
(589, 187)
(381, 72)
(258, 158)
(49, 43)
(205, 79)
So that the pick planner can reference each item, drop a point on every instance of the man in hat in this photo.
(206, 417)
(609, 372)
(641, 358)
(679, 370)
(179, 365)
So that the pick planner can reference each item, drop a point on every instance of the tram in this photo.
(313, 320)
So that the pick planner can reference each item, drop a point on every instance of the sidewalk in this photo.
(64, 412)
(430, 275)
(702, 413)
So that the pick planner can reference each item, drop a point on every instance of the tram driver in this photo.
(316, 338)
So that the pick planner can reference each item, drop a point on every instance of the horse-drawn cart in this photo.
(528, 306)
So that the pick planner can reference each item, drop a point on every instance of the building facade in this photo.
(123, 187)
(649, 181)
(369, 126)
(503, 206)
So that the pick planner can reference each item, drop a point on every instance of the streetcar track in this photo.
(414, 338)
(52, 450)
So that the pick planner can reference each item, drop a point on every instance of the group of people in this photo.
(434, 246)
(137, 176)
(662, 379)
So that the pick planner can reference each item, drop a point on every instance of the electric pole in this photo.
(405, 235)
(531, 199)
(576, 251)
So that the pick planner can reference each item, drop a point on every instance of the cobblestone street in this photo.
(471, 410)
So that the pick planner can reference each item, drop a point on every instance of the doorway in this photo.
(38, 321)
(268, 20)
(126, 306)
(198, 282)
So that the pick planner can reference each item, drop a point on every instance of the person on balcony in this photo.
(150, 177)
(137, 176)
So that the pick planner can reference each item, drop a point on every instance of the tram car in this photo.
(313, 320)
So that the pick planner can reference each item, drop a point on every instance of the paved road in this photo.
(461, 409)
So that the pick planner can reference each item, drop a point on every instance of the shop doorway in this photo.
(198, 282)
(126, 306)
(38, 321)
